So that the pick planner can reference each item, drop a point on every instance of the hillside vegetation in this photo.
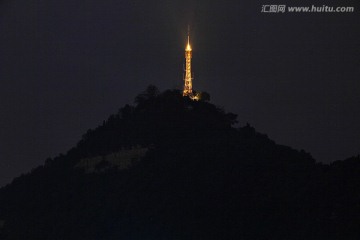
(172, 168)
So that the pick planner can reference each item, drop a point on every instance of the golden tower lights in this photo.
(188, 79)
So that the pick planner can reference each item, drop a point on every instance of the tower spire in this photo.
(188, 34)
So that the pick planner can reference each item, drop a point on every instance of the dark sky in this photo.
(65, 66)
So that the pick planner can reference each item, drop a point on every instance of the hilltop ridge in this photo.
(173, 168)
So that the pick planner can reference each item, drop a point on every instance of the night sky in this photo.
(65, 66)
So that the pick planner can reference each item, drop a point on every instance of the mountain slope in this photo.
(189, 174)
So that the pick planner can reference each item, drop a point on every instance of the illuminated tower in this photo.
(188, 80)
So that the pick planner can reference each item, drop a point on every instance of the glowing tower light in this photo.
(188, 79)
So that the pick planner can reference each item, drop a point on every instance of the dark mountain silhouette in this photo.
(173, 168)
